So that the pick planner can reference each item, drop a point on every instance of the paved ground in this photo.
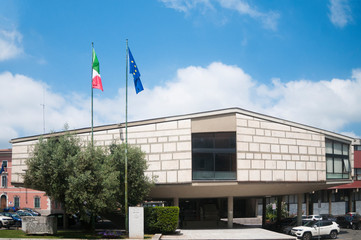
(349, 234)
(225, 234)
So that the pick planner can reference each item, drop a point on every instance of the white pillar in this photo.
(230, 212)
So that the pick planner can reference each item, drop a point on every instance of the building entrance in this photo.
(3, 201)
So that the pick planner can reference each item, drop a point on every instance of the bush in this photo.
(161, 219)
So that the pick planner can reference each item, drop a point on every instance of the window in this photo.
(358, 174)
(16, 201)
(357, 148)
(4, 181)
(214, 156)
(5, 163)
(37, 202)
(337, 160)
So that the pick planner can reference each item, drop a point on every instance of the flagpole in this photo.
(126, 141)
(91, 86)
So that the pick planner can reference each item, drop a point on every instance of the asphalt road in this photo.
(349, 234)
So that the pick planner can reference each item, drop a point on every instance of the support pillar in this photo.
(299, 208)
(264, 212)
(350, 198)
(308, 204)
(329, 201)
(279, 208)
(176, 202)
(230, 212)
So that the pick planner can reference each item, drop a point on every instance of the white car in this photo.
(313, 218)
(316, 228)
(6, 221)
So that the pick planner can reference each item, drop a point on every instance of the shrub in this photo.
(161, 219)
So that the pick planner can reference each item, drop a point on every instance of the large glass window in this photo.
(214, 156)
(337, 160)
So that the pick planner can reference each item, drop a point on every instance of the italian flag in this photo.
(97, 81)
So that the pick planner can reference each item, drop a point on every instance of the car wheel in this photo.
(354, 226)
(307, 236)
(1, 225)
(333, 234)
(359, 226)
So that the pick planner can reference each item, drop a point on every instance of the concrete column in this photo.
(299, 208)
(350, 198)
(329, 201)
(263, 211)
(230, 212)
(279, 208)
(176, 202)
(308, 204)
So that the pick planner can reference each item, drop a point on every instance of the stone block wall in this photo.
(270, 151)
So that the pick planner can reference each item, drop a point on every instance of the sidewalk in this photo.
(225, 234)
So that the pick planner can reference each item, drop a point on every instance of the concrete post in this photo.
(350, 198)
(329, 201)
(299, 208)
(263, 212)
(176, 202)
(308, 204)
(230, 212)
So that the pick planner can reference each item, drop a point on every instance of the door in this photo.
(3, 201)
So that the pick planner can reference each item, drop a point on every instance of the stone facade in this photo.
(269, 150)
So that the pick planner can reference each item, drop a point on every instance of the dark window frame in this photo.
(338, 156)
(209, 153)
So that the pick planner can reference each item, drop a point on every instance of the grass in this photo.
(62, 234)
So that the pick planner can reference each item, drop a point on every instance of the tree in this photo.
(50, 166)
(88, 180)
(93, 184)
(139, 184)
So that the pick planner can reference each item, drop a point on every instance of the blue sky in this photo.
(298, 60)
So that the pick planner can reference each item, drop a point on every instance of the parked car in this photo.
(316, 228)
(33, 212)
(6, 221)
(14, 216)
(313, 218)
(287, 229)
(328, 217)
(23, 213)
(72, 219)
(344, 221)
(356, 222)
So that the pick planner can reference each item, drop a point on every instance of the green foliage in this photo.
(272, 214)
(138, 184)
(88, 180)
(161, 219)
(50, 165)
(92, 183)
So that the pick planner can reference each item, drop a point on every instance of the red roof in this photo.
(355, 184)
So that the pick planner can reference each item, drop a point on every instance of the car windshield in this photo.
(310, 223)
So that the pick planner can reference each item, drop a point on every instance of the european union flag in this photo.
(135, 72)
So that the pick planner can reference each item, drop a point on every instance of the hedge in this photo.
(161, 219)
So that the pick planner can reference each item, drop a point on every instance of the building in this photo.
(20, 197)
(224, 163)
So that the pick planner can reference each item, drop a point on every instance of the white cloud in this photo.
(268, 19)
(10, 44)
(329, 105)
(340, 13)
(186, 5)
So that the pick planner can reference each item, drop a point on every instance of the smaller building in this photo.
(12, 196)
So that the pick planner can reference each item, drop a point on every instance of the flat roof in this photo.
(211, 113)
